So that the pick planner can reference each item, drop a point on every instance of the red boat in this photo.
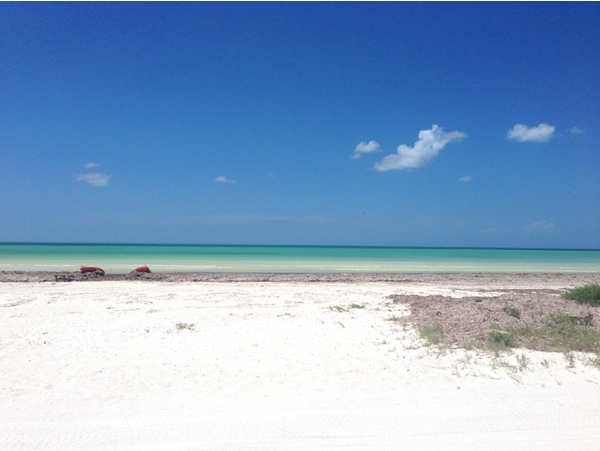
(95, 269)
(143, 268)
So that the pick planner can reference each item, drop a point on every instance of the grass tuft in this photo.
(563, 333)
(341, 308)
(433, 335)
(513, 311)
(522, 361)
(570, 357)
(499, 340)
(184, 326)
(588, 294)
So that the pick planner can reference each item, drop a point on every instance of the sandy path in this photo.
(268, 365)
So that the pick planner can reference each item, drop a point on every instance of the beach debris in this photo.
(64, 278)
(143, 268)
(92, 269)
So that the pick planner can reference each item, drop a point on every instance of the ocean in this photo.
(121, 258)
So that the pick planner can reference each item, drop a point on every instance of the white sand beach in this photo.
(285, 364)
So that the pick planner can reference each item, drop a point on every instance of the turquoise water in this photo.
(118, 259)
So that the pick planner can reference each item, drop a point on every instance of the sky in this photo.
(366, 124)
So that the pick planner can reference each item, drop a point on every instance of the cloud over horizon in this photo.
(223, 179)
(576, 131)
(522, 133)
(540, 227)
(97, 179)
(366, 147)
(430, 144)
(94, 178)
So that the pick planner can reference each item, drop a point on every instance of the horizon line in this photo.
(76, 243)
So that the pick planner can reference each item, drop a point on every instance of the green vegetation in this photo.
(560, 333)
(184, 326)
(341, 308)
(588, 294)
(522, 361)
(434, 335)
(513, 311)
(500, 341)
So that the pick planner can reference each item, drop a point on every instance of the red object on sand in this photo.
(143, 268)
(85, 269)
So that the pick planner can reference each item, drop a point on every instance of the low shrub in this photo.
(434, 335)
(588, 294)
(498, 339)
(562, 333)
(513, 311)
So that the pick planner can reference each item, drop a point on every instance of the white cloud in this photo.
(466, 178)
(223, 179)
(522, 133)
(576, 131)
(540, 227)
(494, 231)
(91, 165)
(430, 143)
(94, 178)
(364, 147)
(247, 219)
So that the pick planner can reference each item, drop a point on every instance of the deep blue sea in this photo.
(120, 258)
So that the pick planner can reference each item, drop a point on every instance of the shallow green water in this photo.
(291, 259)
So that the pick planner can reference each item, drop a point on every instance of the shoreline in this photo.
(566, 278)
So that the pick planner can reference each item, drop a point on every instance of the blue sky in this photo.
(390, 124)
